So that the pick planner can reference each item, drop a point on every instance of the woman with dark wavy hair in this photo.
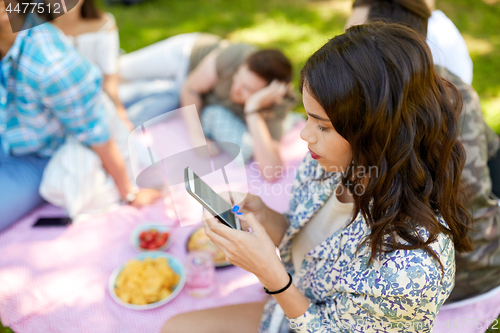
(375, 215)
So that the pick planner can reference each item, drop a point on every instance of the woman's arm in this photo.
(274, 222)
(201, 80)
(266, 150)
(110, 86)
(256, 253)
(403, 291)
(113, 163)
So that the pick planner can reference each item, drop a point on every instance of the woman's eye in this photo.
(321, 128)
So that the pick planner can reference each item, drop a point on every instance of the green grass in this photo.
(5, 329)
(299, 27)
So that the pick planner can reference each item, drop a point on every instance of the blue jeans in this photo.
(20, 178)
(222, 125)
(145, 100)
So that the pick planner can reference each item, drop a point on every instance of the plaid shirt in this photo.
(47, 92)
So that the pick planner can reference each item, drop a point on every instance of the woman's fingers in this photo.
(221, 242)
(252, 223)
(221, 229)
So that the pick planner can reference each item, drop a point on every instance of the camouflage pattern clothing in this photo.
(477, 271)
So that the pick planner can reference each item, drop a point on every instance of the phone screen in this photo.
(213, 201)
(52, 222)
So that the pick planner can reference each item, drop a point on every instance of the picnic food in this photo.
(199, 241)
(145, 281)
(152, 239)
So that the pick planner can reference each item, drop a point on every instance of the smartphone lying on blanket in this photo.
(52, 222)
(213, 202)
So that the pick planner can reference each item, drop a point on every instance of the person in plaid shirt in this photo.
(47, 92)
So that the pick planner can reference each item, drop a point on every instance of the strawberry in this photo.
(151, 246)
(160, 242)
(143, 245)
(142, 235)
(148, 237)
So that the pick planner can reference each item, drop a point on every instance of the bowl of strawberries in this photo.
(151, 237)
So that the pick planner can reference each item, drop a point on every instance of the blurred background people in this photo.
(164, 76)
(48, 91)
(95, 34)
(242, 94)
(477, 271)
(447, 45)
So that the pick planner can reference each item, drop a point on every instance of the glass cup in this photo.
(200, 273)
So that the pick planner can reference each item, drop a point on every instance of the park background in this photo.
(299, 27)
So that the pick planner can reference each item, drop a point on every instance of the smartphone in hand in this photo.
(213, 202)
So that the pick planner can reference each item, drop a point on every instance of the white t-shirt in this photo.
(101, 47)
(448, 47)
(330, 218)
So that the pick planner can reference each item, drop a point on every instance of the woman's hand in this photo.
(146, 197)
(274, 222)
(267, 96)
(255, 252)
(248, 203)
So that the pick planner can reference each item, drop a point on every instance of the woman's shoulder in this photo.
(109, 22)
(407, 260)
(409, 273)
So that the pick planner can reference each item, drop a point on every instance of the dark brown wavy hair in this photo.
(379, 88)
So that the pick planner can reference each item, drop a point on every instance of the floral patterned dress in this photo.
(402, 291)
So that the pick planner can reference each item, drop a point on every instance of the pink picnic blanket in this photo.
(55, 279)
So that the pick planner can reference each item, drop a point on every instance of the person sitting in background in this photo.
(477, 271)
(95, 35)
(47, 92)
(242, 94)
(447, 45)
(375, 215)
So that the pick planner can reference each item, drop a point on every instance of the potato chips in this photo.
(199, 241)
(145, 281)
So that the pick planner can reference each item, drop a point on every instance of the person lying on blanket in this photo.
(242, 94)
(477, 271)
(368, 244)
(47, 92)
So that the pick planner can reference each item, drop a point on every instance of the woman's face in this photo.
(332, 151)
(245, 84)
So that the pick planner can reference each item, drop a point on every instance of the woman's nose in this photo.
(307, 135)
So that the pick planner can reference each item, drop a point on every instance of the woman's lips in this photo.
(314, 155)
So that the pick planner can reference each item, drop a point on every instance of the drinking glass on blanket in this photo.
(200, 273)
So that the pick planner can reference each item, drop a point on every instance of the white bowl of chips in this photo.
(148, 281)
